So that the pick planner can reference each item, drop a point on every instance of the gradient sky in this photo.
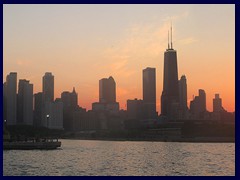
(80, 44)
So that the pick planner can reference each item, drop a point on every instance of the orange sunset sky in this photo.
(80, 44)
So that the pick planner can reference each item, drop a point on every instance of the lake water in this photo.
(85, 157)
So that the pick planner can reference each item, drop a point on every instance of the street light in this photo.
(47, 119)
(47, 122)
(5, 123)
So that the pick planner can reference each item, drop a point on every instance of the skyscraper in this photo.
(70, 99)
(217, 104)
(11, 93)
(38, 106)
(74, 99)
(48, 96)
(135, 109)
(198, 105)
(135, 114)
(107, 90)
(183, 95)
(48, 87)
(103, 90)
(107, 96)
(53, 118)
(202, 100)
(70, 105)
(149, 92)
(170, 93)
(25, 103)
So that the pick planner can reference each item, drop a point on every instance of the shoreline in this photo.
(184, 140)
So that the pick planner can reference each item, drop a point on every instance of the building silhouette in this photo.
(53, 118)
(135, 113)
(5, 101)
(107, 90)
(149, 92)
(25, 103)
(220, 114)
(11, 98)
(202, 100)
(198, 105)
(70, 99)
(38, 106)
(217, 104)
(70, 104)
(107, 109)
(48, 99)
(183, 96)
(74, 99)
(84, 121)
(170, 93)
(110, 107)
(48, 87)
(135, 109)
(107, 96)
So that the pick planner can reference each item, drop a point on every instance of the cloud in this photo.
(118, 65)
(141, 45)
(23, 63)
(145, 40)
(141, 40)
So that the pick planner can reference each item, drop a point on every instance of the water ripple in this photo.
(112, 158)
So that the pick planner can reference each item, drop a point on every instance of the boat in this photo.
(42, 144)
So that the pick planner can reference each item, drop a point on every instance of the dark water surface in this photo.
(84, 157)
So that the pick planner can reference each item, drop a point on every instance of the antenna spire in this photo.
(171, 36)
(168, 40)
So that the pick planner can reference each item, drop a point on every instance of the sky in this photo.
(81, 44)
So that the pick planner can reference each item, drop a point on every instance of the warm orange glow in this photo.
(80, 49)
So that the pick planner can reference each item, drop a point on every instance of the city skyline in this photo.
(82, 65)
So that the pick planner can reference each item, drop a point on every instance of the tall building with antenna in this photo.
(170, 93)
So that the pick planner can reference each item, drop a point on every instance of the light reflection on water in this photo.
(83, 157)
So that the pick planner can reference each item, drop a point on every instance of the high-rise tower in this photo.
(74, 99)
(25, 102)
(107, 90)
(217, 104)
(107, 96)
(149, 92)
(202, 100)
(198, 105)
(48, 97)
(11, 94)
(170, 93)
(38, 106)
(183, 95)
(48, 87)
(70, 105)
